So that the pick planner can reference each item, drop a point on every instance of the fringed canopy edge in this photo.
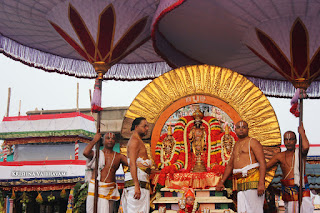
(284, 89)
(78, 68)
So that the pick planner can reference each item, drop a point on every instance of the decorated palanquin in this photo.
(193, 155)
(191, 147)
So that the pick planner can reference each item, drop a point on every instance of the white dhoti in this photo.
(247, 184)
(293, 206)
(106, 192)
(128, 202)
(250, 202)
(290, 190)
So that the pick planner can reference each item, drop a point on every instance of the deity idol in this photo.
(227, 142)
(197, 140)
(168, 145)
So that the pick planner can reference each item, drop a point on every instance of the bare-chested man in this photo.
(109, 162)
(136, 195)
(248, 165)
(289, 162)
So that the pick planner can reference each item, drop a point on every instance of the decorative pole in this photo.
(77, 96)
(302, 84)
(19, 107)
(301, 164)
(101, 68)
(90, 95)
(8, 104)
(90, 101)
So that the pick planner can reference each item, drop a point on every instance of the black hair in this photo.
(136, 122)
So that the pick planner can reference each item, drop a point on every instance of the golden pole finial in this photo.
(301, 83)
(101, 68)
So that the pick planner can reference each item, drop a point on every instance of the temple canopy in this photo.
(43, 35)
(258, 39)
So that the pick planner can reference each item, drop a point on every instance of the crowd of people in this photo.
(247, 165)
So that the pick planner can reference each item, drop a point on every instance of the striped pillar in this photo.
(76, 151)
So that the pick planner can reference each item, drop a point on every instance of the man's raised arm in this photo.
(88, 152)
(305, 141)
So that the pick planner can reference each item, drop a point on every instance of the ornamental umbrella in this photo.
(27, 34)
(219, 33)
(274, 43)
(68, 36)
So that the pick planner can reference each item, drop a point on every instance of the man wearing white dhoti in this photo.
(136, 195)
(248, 165)
(109, 162)
(289, 163)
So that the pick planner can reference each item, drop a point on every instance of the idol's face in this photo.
(242, 129)
(197, 123)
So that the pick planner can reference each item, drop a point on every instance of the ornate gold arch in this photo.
(236, 90)
(230, 87)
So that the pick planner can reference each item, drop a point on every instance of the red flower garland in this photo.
(294, 110)
(177, 162)
(178, 159)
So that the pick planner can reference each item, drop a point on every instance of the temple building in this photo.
(42, 157)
